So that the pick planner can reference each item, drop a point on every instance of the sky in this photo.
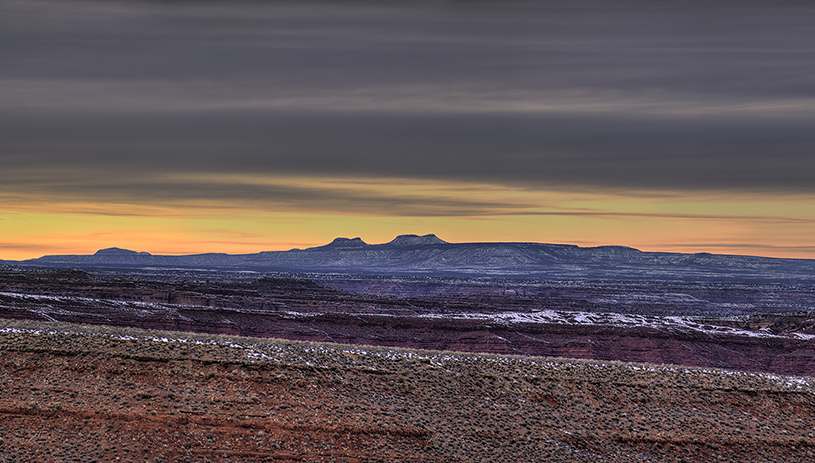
(180, 127)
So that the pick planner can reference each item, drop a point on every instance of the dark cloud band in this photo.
(677, 96)
(541, 151)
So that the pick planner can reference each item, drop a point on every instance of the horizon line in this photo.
(439, 243)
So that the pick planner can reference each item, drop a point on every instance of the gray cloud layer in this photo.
(618, 95)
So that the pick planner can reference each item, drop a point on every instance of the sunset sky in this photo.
(221, 126)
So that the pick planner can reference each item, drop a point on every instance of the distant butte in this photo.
(344, 243)
(415, 240)
(119, 252)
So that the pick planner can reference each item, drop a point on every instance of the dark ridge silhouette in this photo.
(430, 256)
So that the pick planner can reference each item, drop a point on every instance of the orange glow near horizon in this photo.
(765, 225)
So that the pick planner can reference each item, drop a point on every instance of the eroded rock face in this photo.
(564, 325)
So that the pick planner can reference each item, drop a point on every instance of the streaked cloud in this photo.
(541, 151)
(680, 96)
(167, 194)
(181, 98)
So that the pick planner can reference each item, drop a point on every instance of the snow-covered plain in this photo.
(49, 306)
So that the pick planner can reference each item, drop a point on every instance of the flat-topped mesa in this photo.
(345, 243)
(119, 252)
(415, 240)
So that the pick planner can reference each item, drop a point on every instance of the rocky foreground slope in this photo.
(91, 393)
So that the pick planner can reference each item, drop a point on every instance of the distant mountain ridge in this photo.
(430, 256)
